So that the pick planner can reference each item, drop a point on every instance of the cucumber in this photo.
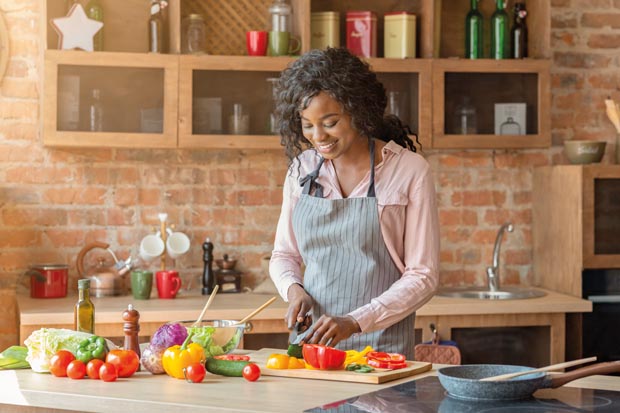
(230, 368)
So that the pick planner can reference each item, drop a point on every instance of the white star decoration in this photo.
(76, 31)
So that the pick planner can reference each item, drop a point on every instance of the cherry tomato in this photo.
(107, 372)
(195, 373)
(59, 363)
(251, 372)
(125, 361)
(92, 368)
(76, 370)
(234, 357)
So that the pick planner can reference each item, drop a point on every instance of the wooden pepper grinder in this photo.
(208, 276)
(131, 327)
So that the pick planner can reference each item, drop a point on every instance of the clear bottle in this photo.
(474, 33)
(518, 33)
(499, 32)
(194, 35)
(466, 118)
(94, 11)
(272, 127)
(280, 13)
(510, 127)
(95, 112)
(84, 310)
(157, 26)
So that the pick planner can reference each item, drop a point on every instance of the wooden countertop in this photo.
(151, 394)
(236, 306)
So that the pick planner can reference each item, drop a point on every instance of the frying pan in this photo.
(464, 381)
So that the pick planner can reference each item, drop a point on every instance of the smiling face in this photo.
(330, 130)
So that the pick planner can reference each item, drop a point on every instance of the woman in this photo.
(358, 209)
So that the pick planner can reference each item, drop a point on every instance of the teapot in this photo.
(104, 280)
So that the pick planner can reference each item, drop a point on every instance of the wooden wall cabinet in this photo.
(171, 83)
(576, 223)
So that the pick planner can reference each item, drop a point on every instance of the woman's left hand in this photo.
(330, 330)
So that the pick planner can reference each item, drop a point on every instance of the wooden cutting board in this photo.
(376, 377)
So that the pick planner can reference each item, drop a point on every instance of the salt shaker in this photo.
(131, 327)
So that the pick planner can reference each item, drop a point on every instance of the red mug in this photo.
(168, 283)
(256, 42)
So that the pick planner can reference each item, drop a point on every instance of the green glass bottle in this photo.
(499, 32)
(473, 35)
(84, 311)
(95, 11)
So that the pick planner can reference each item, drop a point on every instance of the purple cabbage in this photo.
(167, 336)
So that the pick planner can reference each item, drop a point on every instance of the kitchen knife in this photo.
(294, 337)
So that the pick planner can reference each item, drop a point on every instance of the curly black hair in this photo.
(350, 81)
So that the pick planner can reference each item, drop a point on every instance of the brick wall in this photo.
(53, 201)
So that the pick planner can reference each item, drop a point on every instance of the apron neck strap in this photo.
(309, 181)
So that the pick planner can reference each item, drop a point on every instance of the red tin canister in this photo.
(362, 33)
(48, 280)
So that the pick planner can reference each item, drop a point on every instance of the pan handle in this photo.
(598, 368)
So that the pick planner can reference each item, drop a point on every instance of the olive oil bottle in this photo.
(84, 311)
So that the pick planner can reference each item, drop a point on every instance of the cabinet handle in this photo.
(248, 326)
(604, 299)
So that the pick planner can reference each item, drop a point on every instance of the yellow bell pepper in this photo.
(283, 362)
(359, 357)
(177, 358)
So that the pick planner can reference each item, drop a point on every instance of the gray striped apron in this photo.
(347, 262)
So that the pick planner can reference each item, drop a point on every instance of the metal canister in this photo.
(362, 33)
(325, 29)
(399, 35)
(48, 280)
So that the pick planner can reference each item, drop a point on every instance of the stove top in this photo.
(427, 395)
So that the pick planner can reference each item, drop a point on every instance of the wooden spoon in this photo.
(204, 309)
(258, 310)
(542, 369)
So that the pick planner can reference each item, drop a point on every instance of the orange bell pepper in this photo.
(283, 362)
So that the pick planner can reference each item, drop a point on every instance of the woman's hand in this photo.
(329, 330)
(299, 304)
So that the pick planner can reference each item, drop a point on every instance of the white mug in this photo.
(151, 247)
(177, 244)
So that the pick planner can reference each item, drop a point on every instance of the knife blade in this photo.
(299, 328)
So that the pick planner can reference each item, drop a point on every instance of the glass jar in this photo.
(280, 13)
(194, 35)
(510, 127)
(465, 118)
(238, 122)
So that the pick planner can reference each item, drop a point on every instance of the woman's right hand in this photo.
(299, 305)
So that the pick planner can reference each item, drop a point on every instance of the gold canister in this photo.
(325, 29)
(399, 35)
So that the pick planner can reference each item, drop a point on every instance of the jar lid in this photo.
(84, 283)
(325, 15)
(399, 13)
(361, 15)
(49, 267)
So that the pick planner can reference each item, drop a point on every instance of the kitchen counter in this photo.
(24, 391)
(446, 313)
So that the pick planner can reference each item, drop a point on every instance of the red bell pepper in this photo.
(324, 357)
(383, 360)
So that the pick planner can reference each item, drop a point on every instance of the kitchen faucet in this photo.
(493, 271)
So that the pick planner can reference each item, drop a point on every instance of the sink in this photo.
(481, 293)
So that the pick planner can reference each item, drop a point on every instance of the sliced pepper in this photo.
(283, 362)
(354, 356)
(295, 350)
(177, 358)
(94, 347)
(324, 357)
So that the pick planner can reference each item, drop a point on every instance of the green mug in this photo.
(282, 44)
(141, 284)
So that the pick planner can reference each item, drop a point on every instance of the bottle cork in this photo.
(131, 327)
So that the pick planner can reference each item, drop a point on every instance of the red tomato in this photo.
(92, 368)
(234, 357)
(251, 372)
(125, 361)
(76, 370)
(195, 373)
(59, 363)
(107, 372)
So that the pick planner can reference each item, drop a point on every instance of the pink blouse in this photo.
(409, 225)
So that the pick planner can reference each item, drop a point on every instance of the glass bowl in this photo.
(217, 337)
